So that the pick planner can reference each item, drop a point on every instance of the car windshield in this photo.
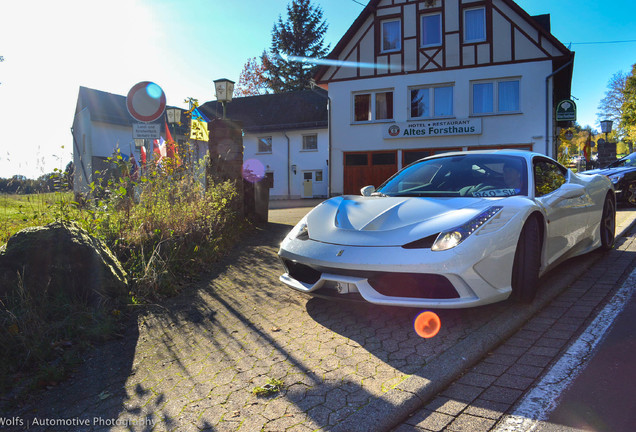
(627, 161)
(470, 175)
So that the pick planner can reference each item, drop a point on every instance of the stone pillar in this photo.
(226, 149)
(606, 153)
(226, 153)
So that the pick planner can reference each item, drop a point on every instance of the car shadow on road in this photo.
(388, 332)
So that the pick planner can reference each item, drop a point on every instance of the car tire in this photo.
(527, 262)
(608, 224)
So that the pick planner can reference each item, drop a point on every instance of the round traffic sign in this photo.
(146, 101)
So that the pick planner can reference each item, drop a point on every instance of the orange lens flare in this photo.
(427, 324)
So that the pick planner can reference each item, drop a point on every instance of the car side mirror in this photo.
(567, 191)
(367, 190)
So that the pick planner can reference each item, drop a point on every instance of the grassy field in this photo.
(22, 211)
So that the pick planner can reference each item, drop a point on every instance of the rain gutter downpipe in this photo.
(329, 135)
(288, 166)
(329, 147)
(547, 103)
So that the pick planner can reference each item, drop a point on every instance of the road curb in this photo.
(394, 407)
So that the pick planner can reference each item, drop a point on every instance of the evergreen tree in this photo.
(295, 42)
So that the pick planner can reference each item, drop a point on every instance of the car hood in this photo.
(609, 171)
(389, 221)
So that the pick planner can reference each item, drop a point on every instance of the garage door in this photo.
(367, 168)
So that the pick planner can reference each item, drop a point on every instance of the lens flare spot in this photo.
(153, 90)
(427, 324)
(253, 170)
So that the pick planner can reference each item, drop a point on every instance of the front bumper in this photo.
(464, 276)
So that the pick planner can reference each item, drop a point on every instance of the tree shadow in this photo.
(193, 362)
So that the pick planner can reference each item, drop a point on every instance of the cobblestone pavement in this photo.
(192, 363)
(479, 400)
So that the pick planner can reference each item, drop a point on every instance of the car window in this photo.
(548, 177)
(627, 161)
(476, 175)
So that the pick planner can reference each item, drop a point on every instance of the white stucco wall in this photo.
(286, 183)
(82, 152)
(96, 139)
(525, 128)
(107, 137)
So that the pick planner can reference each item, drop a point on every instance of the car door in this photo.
(566, 217)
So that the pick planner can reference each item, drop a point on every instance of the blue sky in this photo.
(53, 48)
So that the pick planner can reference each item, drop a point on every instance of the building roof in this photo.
(103, 106)
(281, 111)
(305, 109)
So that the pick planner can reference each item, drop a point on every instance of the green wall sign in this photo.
(566, 111)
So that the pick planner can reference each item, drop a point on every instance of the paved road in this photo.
(602, 397)
(511, 387)
(192, 363)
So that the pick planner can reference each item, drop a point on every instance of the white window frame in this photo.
(431, 101)
(398, 46)
(485, 35)
(260, 140)
(422, 33)
(305, 147)
(495, 96)
(372, 113)
(316, 176)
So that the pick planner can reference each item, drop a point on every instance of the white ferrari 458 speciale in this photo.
(451, 231)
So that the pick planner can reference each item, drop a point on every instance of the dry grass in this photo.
(164, 228)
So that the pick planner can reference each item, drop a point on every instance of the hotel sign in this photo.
(433, 128)
(566, 111)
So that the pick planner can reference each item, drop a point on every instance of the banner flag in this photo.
(199, 126)
(171, 151)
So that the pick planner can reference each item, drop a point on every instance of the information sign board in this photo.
(146, 130)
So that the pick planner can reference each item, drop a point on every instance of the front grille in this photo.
(301, 272)
(409, 285)
(413, 285)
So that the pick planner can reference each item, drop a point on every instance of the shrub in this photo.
(164, 227)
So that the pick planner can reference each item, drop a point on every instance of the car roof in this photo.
(526, 154)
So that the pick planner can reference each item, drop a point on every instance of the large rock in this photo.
(61, 258)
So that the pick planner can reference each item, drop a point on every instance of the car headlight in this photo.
(300, 231)
(453, 237)
(615, 178)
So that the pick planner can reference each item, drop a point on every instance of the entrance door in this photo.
(308, 184)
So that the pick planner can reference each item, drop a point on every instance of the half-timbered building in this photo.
(411, 78)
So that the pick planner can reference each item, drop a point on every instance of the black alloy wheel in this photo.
(527, 262)
(608, 224)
